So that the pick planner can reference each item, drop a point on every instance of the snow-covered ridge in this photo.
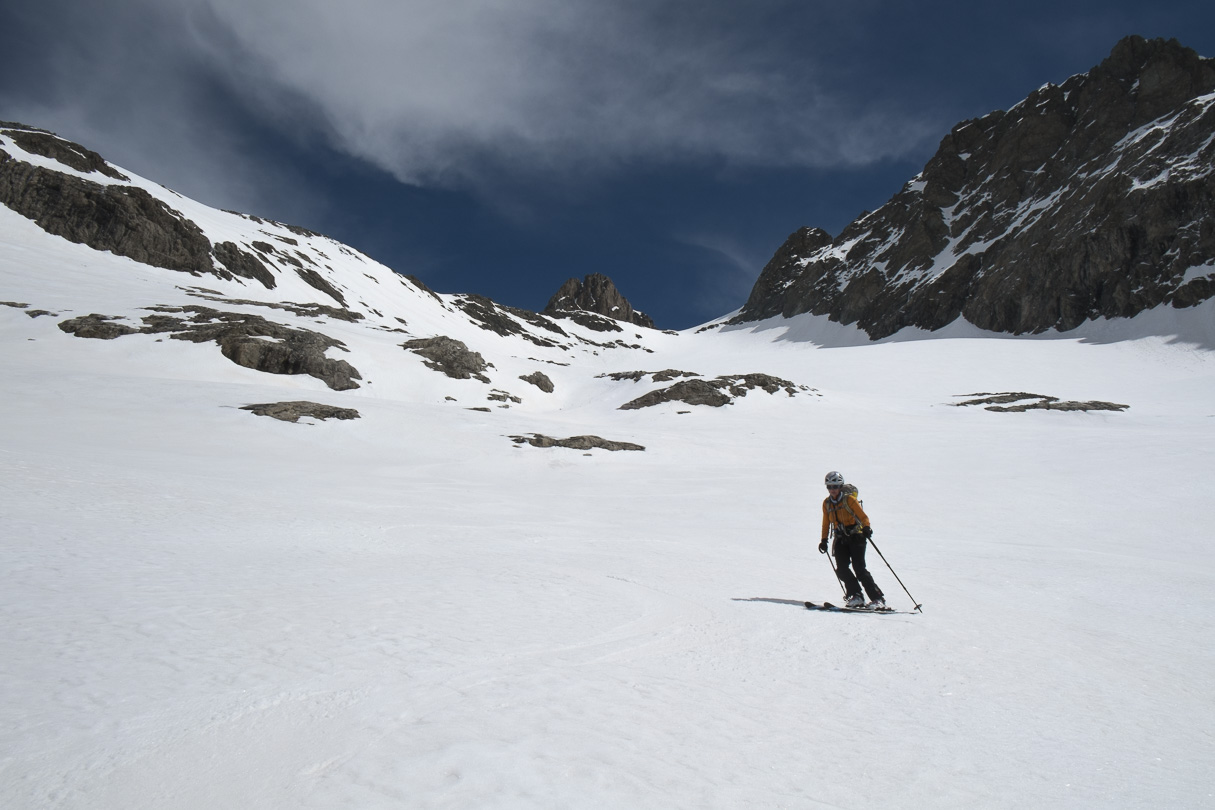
(299, 265)
(135, 263)
(246, 257)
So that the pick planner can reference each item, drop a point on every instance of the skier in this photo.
(852, 531)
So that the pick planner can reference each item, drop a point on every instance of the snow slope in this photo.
(205, 608)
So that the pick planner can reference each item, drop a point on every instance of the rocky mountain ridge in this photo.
(134, 263)
(70, 191)
(1094, 198)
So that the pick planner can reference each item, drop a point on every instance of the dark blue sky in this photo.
(502, 147)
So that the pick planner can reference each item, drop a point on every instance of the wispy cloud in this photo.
(456, 92)
(439, 91)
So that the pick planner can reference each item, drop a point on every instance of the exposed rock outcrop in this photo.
(297, 409)
(692, 392)
(302, 310)
(244, 264)
(715, 393)
(575, 442)
(125, 220)
(1004, 403)
(450, 356)
(540, 380)
(47, 144)
(505, 397)
(97, 327)
(247, 340)
(657, 376)
(317, 282)
(595, 295)
(254, 342)
(1094, 198)
(507, 321)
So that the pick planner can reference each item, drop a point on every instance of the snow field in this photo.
(208, 608)
(204, 608)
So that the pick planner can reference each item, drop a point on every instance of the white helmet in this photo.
(834, 479)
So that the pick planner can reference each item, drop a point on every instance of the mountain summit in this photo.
(1094, 198)
(597, 295)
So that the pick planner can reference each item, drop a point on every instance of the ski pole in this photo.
(918, 606)
(835, 570)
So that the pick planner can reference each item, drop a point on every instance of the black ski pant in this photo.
(849, 555)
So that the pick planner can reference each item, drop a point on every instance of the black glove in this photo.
(822, 547)
(866, 532)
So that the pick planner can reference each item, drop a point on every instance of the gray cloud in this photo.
(132, 80)
(472, 94)
(450, 93)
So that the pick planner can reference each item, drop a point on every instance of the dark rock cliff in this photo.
(125, 220)
(1093, 198)
(596, 295)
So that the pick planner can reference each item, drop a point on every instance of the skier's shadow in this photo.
(801, 604)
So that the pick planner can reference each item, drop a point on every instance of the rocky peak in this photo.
(595, 294)
(1088, 199)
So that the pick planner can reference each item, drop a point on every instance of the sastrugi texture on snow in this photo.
(1094, 198)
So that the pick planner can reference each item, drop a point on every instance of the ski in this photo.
(840, 609)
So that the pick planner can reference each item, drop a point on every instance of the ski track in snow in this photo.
(203, 608)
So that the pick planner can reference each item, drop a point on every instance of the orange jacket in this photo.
(847, 512)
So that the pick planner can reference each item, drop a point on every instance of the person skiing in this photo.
(852, 532)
